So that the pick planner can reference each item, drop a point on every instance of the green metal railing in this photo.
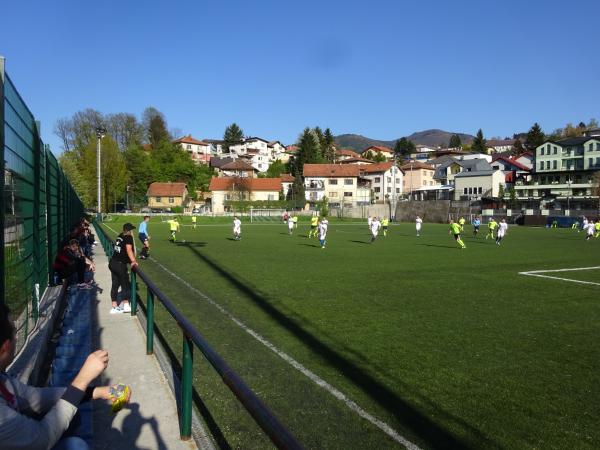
(191, 338)
(38, 205)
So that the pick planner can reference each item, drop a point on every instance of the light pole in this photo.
(394, 198)
(100, 133)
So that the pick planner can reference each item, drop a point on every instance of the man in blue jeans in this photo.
(35, 418)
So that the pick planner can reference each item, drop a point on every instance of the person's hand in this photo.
(93, 366)
(134, 264)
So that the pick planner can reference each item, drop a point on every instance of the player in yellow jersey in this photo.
(461, 222)
(385, 223)
(314, 222)
(597, 229)
(194, 218)
(492, 225)
(455, 229)
(174, 227)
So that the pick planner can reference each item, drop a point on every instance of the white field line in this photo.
(539, 273)
(311, 375)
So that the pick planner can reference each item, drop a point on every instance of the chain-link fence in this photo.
(39, 207)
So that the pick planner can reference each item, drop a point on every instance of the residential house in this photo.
(387, 152)
(445, 173)
(256, 150)
(386, 180)
(276, 151)
(563, 175)
(358, 160)
(513, 170)
(238, 168)
(416, 175)
(167, 195)
(200, 151)
(345, 153)
(344, 185)
(476, 184)
(287, 181)
(217, 163)
(226, 189)
(499, 145)
(526, 159)
(423, 152)
(216, 147)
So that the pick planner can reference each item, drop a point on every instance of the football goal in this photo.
(266, 215)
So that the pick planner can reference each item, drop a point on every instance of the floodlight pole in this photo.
(100, 132)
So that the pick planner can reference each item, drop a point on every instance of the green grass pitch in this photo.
(446, 347)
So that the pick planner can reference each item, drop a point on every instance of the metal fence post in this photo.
(133, 299)
(186, 388)
(149, 322)
(2, 260)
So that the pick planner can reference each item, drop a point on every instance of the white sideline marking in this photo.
(538, 273)
(311, 375)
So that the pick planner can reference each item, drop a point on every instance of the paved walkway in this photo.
(150, 421)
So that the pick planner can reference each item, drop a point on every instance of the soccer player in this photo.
(461, 222)
(575, 225)
(295, 220)
(455, 230)
(314, 223)
(597, 228)
(375, 225)
(585, 223)
(502, 230)
(290, 223)
(476, 224)
(418, 224)
(369, 222)
(194, 222)
(174, 227)
(591, 227)
(385, 223)
(322, 228)
(144, 237)
(492, 225)
(285, 216)
(237, 228)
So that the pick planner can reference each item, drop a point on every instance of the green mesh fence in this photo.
(39, 208)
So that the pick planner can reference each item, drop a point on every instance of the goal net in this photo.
(266, 215)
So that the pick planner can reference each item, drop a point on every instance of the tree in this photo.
(328, 148)
(324, 207)
(379, 157)
(124, 129)
(479, 143)
(296, 193)
(404, 147)
(517, 147)
(275, 169)
(535, 137)
(455, 141)
(139, 172)
(593, 123)
(69, 163)
(501, 191)
(369, 155)
(308, 150)
(233, 134)
(512, 203)
(155, 126)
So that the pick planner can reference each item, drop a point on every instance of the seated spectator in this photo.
(34, 418)
(70, 260)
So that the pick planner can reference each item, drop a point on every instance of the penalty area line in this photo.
(540, 274)
(295, 364)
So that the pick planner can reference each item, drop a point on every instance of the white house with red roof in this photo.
(345, 153)
(386, 180)
(342, 184)
(256, 151)
(387, 152)
(513, 170)
(200, 151)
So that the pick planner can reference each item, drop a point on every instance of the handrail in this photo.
(262, 415)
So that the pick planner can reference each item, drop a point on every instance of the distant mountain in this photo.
(427, 137)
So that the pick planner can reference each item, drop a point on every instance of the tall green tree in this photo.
(535, 137)
(517, 148)
(328, 148)
(308, 151)
(455, 141)
(479, 143)
(70, 164)
(275, 169)
(232, 135)
(124, 129)
(155, 126)
(404, 147)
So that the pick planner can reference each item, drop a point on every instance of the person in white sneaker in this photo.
(123, 254)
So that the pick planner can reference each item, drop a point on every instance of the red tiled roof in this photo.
(291, 148)
(237, 165)
(332, 170)
(189, 140)
(251, 184)
(355, 160)
(166, 190)
(287, 178)
(513, 162)
(416, 165)
(347, 152)
(378, 167)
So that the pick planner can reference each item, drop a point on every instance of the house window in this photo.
(377, 179)
(555, 150)
(348, 181)
(189, 147)
(389, 179)
(590, 162)
(554, 164)
(333, 181)
(171, 200)
(424, 183)
(465, 191)
(397, 180)
(470, 191)
(397, 190)
(389, 189)
(541, 165)
(542, 151)
(271, 197)
(377, 189)
(347, 194)
(548, 148)
(547, 165)
(479, 190)
(158, 199)
(333, 194)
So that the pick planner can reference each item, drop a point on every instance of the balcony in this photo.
(314, 186)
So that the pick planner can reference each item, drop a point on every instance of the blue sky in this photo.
(383, 69)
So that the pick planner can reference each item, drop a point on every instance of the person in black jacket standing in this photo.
(124, 254)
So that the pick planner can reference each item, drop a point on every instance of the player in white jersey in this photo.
(237, 228)
(502, 229)
(591, 229)
(369, 222)
(322, 229)
(375, 225)
(290, 224)
(584, 224)
(418, 223)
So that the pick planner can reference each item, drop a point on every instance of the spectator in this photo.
(123, 255)
(34, 418)
(70, 260)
